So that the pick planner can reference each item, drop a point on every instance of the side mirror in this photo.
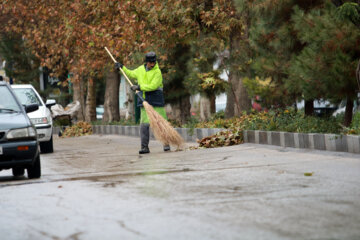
(31, 108)
(50, 102)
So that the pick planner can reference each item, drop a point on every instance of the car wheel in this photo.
(18, 172)
(47, 147)
(34, 171)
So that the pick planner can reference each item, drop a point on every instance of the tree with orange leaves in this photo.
(69, 36)
(189, 31)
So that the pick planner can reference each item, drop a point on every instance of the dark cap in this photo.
(150, 57)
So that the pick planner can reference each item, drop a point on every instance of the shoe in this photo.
(166, 148)
(144, 150)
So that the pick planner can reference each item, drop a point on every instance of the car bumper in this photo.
(12, 157)
(44, 132)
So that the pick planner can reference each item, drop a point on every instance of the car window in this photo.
(7, 101)
(27, 96)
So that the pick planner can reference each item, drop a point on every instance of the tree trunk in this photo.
(111, 102)
(241, 95)
(358, 80)
(185, 106)
(205, 108)
(181, 109)
(90, 110)
(239, 48)
(358, 76)
(212, 100)
(348, 112)
(230, 102)
(78, 95)
(309, 107)
(129, 103)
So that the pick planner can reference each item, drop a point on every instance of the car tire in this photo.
(47, 147)
(18, 172)
(34, 171)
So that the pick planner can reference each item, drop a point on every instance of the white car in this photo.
(41, 118)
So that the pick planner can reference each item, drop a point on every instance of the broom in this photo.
(161, 128)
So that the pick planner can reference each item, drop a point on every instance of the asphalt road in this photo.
(98, 187)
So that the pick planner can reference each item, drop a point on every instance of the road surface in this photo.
(98, 187)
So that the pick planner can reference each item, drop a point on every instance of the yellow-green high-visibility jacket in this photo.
(148, 80)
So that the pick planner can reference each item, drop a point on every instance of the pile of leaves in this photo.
(79, 129)
(223, 138)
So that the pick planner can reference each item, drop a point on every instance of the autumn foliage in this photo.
(301, 46)
(79, 129)
(71, 35)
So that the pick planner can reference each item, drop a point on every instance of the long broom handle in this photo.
(122, 71)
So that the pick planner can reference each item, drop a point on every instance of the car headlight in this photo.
(42, 120)
(21, 133)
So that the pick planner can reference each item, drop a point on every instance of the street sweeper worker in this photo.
(149, 82)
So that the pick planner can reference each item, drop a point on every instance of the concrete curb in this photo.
(327, 142)
(189, 135)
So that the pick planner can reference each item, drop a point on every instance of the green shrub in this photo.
(287, 120)
(355, 125)
(191, 122)
(218, 115)
(356, 120)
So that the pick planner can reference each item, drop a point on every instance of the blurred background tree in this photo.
(327, 64)
(21, 64)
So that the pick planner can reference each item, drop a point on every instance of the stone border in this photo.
(189, 135)
(327, 142)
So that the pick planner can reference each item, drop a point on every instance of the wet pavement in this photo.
(98, 187)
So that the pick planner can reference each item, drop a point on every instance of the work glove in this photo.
(135, 88)
(118, 65)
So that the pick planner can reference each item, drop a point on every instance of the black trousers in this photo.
(144, 134)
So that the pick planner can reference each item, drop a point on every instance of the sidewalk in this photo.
(327, 142)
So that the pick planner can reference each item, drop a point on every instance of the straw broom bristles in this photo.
(162, 129)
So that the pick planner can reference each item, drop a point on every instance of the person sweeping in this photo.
(150, 84)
